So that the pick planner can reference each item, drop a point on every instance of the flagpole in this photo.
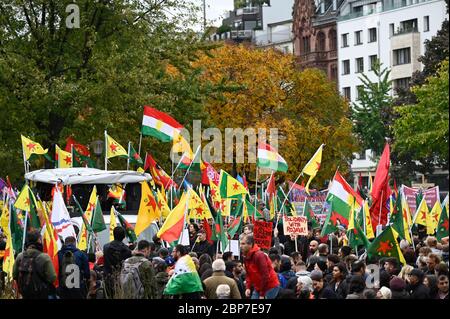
(186, 209)
(190, 164)
(256, 186)
(24, 230)
(140, 142)
(287, 195)
(24, 159)
(128, 158)
(106, 152)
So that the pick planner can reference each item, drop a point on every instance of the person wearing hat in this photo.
(384, 293)
(416, 288)
(320, 291)
(398, 290)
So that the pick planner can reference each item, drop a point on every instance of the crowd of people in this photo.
(303, 267)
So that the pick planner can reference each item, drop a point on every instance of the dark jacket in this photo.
(203, 247)
(324, 293)
(114, 253)
(341, 290)
(81, 260)
(419, 291)
(399, 294)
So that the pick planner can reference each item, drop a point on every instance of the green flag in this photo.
(134, 157)
(16, 230)
(97, 222)
(131, 235)
(385, 245)
(308, 212)
(80, 160)
(218, 232)
(442, 228)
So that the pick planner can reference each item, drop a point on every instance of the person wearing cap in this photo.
(320, 291)
(384, 293)
(219, 278)
(416, 288)
(397, 286)
(201, 245)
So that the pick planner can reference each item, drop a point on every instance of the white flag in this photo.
(61, 218)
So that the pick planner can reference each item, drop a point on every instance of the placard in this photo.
(262, 232)
(297, 226)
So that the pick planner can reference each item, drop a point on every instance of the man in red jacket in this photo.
(259, 271)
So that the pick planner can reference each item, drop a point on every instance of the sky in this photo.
(215, 10)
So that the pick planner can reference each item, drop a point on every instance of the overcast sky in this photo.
(215, 10)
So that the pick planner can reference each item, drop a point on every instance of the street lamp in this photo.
(97, 147)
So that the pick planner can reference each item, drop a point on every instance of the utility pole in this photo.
(204, 16)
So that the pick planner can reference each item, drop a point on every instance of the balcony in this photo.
(318, 56)
(406, 31)
(241, 34)
(243, 11)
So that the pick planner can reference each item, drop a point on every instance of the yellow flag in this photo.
(198, 209)
(82, 242)
(370, 183)
(148, 209)
(406, 212)
(435, 214)
(23, 200)
(369, 228)
(313, 166)
(422, 213)
(214, 193)
(226, 210)
(112, 224)
(8, 257)
(113, 148)
(180, 145)
(29, 147)
(4, 220)
(64, 158)
(162, 203)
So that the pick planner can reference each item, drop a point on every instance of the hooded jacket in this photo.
(259, 270)
(114, 253)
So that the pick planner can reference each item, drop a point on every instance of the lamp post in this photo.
(97, 147)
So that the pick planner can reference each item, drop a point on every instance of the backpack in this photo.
(31, 284)
(130, 280)
(67, 259)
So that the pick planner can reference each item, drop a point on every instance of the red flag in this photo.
(271, 188)
(208, 230)
(245, 182)
(209, 173)
(80, 148)
(381, 190)
(159, 175)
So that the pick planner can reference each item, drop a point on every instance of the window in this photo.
(408, 25)
(358, 9)
(402, 56)
(372, 60)
(426, 23)
(359, 90)
(402, 83)
(358, 37)
(306, 47)
(359, 66)
(346, 92)
(333, 39)
(372, 34)
(391, 29)
(320, 42)
(346, 67)
(344, 40)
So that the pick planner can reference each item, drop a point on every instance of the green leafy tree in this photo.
(372, 113)
(422, 128)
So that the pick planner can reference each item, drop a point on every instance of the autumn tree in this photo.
(57, 81)
(269, 92)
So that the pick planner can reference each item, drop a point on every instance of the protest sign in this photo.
(297, 226)
(262, 232)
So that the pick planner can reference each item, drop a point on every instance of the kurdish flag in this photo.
(342, 195)
(268, 157)
(442, 227)
(29, 147)
(159, 124)
(185, 278)
(230, 187)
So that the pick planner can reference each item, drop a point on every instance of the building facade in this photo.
(277, 27)
(392, 32)
(315, 35)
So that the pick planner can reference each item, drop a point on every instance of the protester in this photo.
(137, 277)
(356, 287)
(33, 270)
(443, 287)
(201, 245)
(69, 258)
(161, 277)
(223, 291)
(259, 272)
(218, 278)
(338, 283)
(304, 288)
(114, 254)
(416, 288)
(398, 288)
(384, 293)
(320, 290)
(431, 282)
